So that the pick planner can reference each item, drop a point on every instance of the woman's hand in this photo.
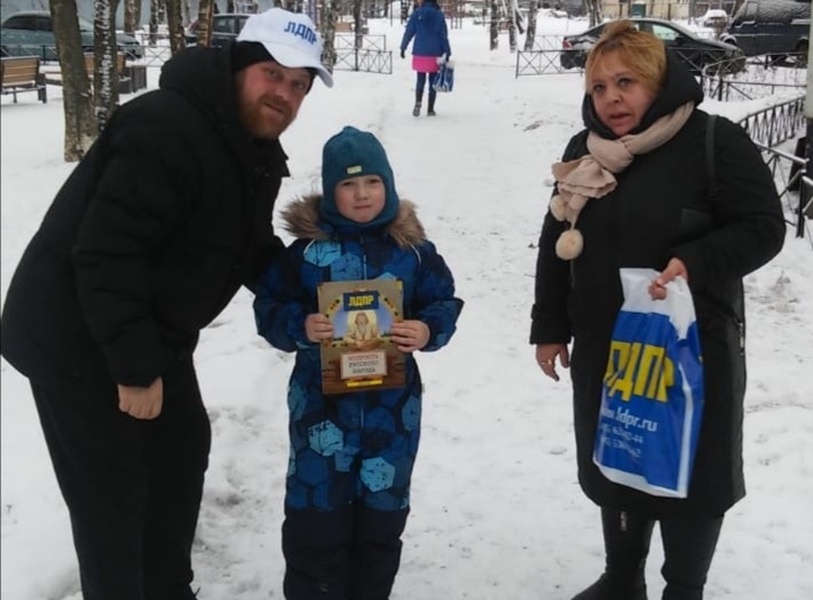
(142, 402)
(675, 268)
(546, 358)
(318, 327)
(409, 335)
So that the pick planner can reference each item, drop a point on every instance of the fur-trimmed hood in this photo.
(301, 219)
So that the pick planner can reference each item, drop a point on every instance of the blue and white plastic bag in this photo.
(443, 80)
(652, 397)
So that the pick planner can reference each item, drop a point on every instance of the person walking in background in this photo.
(147, 241)
(427, 25)
(352, 454)
(655, 205)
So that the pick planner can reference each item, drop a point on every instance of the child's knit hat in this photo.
(352, 153)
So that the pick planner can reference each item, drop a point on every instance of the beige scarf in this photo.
(591, 176)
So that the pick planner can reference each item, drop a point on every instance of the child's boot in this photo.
(626, 544)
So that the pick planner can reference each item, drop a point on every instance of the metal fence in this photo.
(369, 61)
(347, 41)
(795, 189)
(776, 124)
(366, 53)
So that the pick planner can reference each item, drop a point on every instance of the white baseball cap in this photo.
(290, 38)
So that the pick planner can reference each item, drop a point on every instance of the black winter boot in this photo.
(416, 111)
(688, 547)
(626, 544)
(431, 109)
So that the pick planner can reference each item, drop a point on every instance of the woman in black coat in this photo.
(654, 205)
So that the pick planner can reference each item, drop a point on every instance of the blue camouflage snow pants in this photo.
(347, 494)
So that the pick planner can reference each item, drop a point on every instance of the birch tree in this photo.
(130, 22)
(175, 25)
(530, 31)
(105, 73)
(494, 26)
(155, 8)
(80, 125)
(593, 8)
(204, 26)
(330, 16)
(358, 24)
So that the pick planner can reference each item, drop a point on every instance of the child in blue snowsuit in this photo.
(352, 454)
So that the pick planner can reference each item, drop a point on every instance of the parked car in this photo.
(687, 46)
(774, 27)
(31, 33)
(225, 28)
(716, 18)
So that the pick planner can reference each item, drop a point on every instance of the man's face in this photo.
(269, 96)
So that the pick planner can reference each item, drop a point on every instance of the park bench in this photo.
(125, 80)
(22, 74)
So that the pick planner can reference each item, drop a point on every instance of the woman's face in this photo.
(361, 319)
(619, 96)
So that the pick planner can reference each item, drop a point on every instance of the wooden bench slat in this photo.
(21, 74)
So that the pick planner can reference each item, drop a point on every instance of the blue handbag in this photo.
(443, 80)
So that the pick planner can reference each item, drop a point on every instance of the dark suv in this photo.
(225, 28)
(779, 28)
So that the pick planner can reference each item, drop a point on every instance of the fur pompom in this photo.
(570, 244)
(558, 208)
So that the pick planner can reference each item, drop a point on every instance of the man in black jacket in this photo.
(147, 241)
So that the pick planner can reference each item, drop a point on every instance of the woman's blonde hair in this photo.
(642, 52)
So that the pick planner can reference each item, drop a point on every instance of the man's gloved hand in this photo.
(402, 53)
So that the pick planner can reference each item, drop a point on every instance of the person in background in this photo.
(643, 152)
(352, 454)
(427, 25)
(153, 233)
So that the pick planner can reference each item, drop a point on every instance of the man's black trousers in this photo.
(133, 488)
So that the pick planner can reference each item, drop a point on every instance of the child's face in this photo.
(360, 199)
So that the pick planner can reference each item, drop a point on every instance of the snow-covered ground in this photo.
(496, 509)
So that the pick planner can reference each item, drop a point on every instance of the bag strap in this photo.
(711, 175)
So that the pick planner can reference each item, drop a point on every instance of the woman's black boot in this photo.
(626, 544)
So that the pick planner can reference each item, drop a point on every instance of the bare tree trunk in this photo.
(80, 125)
(130, 23)
(155, 8)
(512, 28)
(105, 74)
(175, 25)
(358, 24)
(530, 32)
(593, 11)
(204, 26)
(494, 26)
(329, 17)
